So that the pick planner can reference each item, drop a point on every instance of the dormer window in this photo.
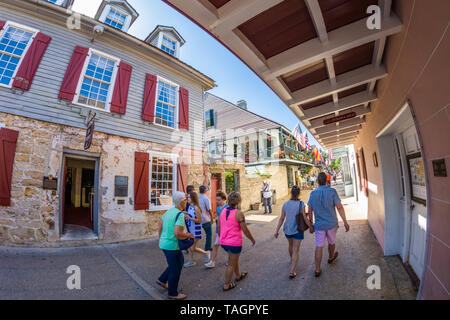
(167, 39)
(169, 45)
(115, 18)
(58, 2)
(118, 14)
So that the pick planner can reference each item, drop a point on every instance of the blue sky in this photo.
(235, 81)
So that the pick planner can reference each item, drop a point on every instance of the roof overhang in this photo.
(318, 56)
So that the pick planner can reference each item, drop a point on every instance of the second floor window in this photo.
(97, 82)
(169, 45)
(116, 19)
(209, 116)
(14, 42)
(166, 103)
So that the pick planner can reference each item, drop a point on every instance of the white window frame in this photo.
(177, 101)
(58, 2)
(174, 158)
(24, 28)
(106, 11)
(112, 85)
(177, 46)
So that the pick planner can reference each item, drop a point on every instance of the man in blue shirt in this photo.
(322, 203)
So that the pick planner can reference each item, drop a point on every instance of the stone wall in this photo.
(250, 185)
(33, 216)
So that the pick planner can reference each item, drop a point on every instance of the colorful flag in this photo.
(307, 142)
(298, 134)
(330, 154)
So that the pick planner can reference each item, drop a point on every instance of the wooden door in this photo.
(215, 186)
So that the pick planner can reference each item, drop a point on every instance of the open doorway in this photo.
(405, 192)
(79, 207)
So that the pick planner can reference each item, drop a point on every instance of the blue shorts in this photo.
(232, 249)
(297, 236)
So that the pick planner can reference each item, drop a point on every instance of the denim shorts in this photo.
(297, 236)
(232, 249)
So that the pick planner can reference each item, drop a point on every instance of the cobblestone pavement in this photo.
(129, 270)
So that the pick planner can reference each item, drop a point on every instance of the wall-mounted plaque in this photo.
(439, 168)
(339, 118)
(50, 183)
(121, 186)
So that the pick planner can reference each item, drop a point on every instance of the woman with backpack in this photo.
(290, 210)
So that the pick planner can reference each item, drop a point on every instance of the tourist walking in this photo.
(267, 197)
(172, 229)
(322, 203)
(205, 206)
(193, 217)
(221, 200)
(231, 226)
(328, 179)
(289, 212)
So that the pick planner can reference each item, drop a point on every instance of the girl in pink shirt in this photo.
(231, 225)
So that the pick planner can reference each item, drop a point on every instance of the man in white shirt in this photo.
(267, 197)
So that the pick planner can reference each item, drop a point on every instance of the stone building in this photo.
(98, 128)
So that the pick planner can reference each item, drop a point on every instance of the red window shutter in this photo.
(31, 61)
(120, 94)
(2, 24)
(141, 181)
(184, 109)
(182, 175)
(8, 140)
(73, 73)
(148, 110)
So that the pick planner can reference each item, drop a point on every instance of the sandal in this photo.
(232, 285)
(242, 277)
(292, 275)
(330, 261)
(180, 296)
(159, 283)
(317, 273)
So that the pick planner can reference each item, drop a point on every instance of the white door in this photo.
(418, 195)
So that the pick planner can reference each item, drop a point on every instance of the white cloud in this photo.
(86, 7)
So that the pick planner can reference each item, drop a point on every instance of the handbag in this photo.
(186, 243)
(301, 224)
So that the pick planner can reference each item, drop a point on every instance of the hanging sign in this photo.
(340, 118)
(89, 132)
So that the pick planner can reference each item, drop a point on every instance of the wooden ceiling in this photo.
(318, 56)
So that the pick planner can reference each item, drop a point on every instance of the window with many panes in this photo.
(97, 82)
(115, 18)
(166, 103)
(163, 175)
(14, 42)
(169, 45)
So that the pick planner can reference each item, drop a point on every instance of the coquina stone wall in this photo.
(34, 217)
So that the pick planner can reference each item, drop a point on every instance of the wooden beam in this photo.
(316, 15)
(343, 82)
(359, 111)
(344, 104)
(343, 125)
(339, 133)
(343, 137)
(339, 40)
(236, 12)
(204, 15)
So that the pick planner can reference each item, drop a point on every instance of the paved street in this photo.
(128, 270)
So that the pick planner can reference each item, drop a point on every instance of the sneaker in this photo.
(208, 256)
(189, 264)
(210, 265)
